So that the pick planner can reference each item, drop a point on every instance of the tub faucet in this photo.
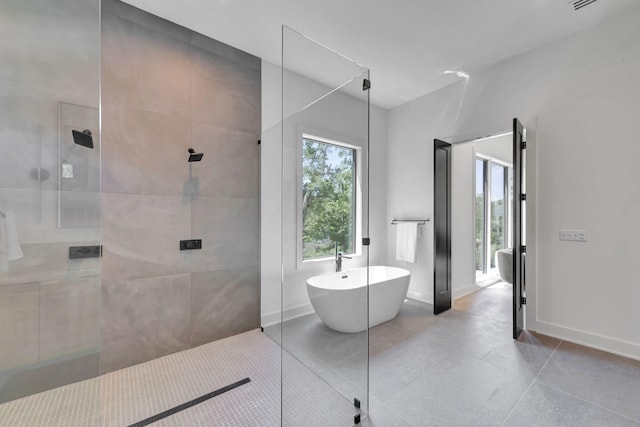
(339, 256)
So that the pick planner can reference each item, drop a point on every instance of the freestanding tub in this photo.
(340, 299)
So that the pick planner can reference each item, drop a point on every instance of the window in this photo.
(493, 186)
(329, 197)
(480, 203)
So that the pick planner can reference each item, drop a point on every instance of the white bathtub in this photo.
(340, 299)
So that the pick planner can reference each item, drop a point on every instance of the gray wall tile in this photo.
(49, 261)
(236, 73)
(19, 152)
(144, 319)
(229, 230)
(62, 39)
(224, 303)
(143, 68)
(144, 152)
(19, 313)
(152, 22)
(219, 103)
(230, 167)
(69, 318)
(166, 89)
(229, 52)
(141, 235)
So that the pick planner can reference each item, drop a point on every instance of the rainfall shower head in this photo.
(193, 156)
(83, 138)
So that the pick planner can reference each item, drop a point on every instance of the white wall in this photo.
(339, 116)
(463, 273)
(580, 101)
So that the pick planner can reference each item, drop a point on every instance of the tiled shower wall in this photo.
(166, 89)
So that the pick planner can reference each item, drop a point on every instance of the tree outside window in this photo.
(328, 198)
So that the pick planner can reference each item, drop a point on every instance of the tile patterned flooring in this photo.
(460, 368)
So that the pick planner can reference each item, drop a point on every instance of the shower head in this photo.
(83, 138)
(193, 156)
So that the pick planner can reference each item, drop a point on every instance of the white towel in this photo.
(406, 239)
(9, 237)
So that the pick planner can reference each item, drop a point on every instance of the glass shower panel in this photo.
(50, 232)
(324, 293)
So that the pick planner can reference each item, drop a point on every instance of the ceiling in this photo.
(407, 44)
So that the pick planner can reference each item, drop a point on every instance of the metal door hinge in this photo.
(524, 145)
(523, 249)
(523, 300)
(366, 241)
(356, 419)
(523, 197)
(366, 84)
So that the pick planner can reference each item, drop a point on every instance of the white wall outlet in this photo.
(573, 235)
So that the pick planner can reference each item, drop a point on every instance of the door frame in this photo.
(519, 233)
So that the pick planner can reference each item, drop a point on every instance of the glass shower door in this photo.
(50, 212)
(324, 294)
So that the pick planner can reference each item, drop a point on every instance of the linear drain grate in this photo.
(189, 404)
(579, 4)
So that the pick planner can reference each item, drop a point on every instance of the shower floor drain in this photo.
(189, 404)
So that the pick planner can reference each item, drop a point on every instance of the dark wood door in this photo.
(519, 242)
(442, 227)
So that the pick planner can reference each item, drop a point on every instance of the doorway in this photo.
(486, 241)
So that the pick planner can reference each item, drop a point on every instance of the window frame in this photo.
(339, 141)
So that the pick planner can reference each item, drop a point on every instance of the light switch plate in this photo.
(573, 235)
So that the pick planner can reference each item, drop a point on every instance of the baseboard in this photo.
(600, 342)
(420, 296)
(288, 314)
(457, 293)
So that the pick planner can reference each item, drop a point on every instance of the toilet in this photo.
(504, 259)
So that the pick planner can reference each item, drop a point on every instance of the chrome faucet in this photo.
(339, 256)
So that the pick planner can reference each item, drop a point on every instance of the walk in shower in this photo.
(134, 234)
(129, 200)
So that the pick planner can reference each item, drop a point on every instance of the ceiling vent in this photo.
(579, 4)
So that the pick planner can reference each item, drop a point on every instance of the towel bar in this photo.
(419, 221)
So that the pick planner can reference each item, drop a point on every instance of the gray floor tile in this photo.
(462, 391)
(604, 379)
(542, 406)
(307, 335)
(381, 415)
(395, 368)
(309, 401)
(493, 302)
(496, 346)
(460, 324)
(455, 369)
